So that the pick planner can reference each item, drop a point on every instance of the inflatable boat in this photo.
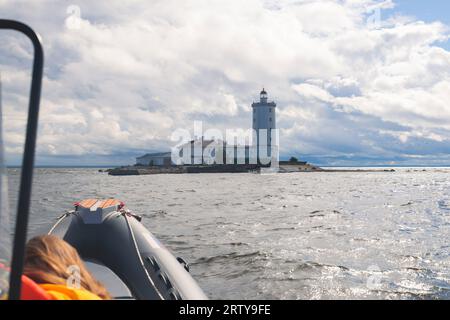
(119, 251)
(123, 255)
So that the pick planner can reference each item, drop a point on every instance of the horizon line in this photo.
(323, 166)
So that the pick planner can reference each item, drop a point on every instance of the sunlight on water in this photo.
(286, 236)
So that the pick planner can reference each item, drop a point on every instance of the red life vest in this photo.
(30, 289)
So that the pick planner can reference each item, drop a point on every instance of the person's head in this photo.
(51, 260)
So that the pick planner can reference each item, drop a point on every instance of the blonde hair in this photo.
(48, 260)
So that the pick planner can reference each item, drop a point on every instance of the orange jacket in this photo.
(33, 291)
(61, 292)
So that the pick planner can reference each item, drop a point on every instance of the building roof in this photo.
(156, 154)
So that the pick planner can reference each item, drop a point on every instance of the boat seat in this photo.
(115, 286)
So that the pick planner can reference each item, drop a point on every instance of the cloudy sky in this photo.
(357, 82)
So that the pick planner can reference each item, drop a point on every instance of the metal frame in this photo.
(26, 179)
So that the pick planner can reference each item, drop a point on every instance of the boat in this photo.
(119, 251)
(122, 254)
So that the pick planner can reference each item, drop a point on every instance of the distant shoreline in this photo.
(285, 167)
(63, 167)
(323, 167)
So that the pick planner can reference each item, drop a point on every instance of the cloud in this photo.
(121, 77)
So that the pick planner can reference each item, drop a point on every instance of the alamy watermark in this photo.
(373, 20)
(227, 147)
(374, 279)
(74, 279)
(73, 19)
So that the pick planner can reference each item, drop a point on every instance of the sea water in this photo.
(367, 235)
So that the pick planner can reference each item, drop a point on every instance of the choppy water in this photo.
(286, 236)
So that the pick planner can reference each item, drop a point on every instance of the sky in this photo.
(429, 11)
(357, 82)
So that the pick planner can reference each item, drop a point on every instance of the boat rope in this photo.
(125, 214)
(60, 219)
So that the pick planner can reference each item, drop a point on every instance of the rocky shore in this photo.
(284, 167)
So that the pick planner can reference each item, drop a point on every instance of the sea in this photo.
(320, 235)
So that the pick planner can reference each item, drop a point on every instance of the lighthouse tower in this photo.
(264, 121)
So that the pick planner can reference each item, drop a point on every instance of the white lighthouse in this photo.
(264, 123)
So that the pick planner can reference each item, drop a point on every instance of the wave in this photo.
(233, 256)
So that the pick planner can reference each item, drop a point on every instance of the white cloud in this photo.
(129, 73)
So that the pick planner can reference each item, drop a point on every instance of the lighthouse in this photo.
(264, 123)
